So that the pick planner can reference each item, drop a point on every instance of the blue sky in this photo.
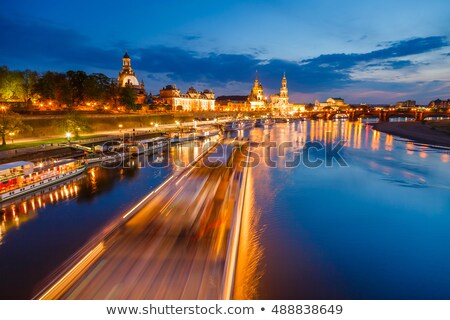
(365, 51)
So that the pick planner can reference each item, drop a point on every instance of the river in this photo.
(39, 233)
(374, 227)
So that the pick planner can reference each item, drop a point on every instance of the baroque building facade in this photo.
(331, 103)
(256, 98)
(192, 100)
(127, 78)
(280, 101)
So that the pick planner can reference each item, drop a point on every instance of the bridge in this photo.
(177, 243)
(382, 115)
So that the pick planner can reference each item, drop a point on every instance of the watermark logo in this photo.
(272, 154)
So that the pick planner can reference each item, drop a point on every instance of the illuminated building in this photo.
(406, 104)
(442, 104)
(192, 100)
(127, 78)
(256, 98)
(333, 103)
(232, 103)
(280, 101)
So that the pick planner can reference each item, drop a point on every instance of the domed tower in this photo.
(257, 93)
(256, 97)
(127, 77)
(284, 89)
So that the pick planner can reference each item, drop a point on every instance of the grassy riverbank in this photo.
(20, 145)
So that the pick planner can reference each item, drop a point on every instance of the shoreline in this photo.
(417, 132)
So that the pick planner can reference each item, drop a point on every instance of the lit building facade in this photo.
(280, 101)
(256, 98)
(406, 104)
(192, 100)
(232, 103)
(127, 78)
(333, 103)
(438, 103)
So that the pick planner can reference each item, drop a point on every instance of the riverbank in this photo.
(433, 133)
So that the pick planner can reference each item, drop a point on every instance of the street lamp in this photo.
(120, 127)
(68, 135)
(11, 136)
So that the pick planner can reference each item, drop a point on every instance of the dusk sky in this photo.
(378, 52)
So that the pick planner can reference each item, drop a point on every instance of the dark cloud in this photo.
(40, 44)
(397, 49)
(191, 37)
(310, 75)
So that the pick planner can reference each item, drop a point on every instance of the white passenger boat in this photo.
(116, 157)
(21, 177)
(183, 137)
(147, 146)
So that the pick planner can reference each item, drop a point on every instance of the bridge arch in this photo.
(409, 115)
(429, 116)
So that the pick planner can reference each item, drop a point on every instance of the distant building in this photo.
(256, 98)
(406, 104)
(127, 78)
(192, 100)
(331, 103)
(232, 103)
(439, 104)
(280, 101)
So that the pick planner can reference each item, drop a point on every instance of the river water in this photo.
(38, 233)
(375, 227)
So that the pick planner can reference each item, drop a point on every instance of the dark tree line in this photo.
(70, 89)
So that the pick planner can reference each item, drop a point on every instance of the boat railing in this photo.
(29, 180)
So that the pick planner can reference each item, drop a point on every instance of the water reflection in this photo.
(376, 229)
(47, 227)
(17, 211)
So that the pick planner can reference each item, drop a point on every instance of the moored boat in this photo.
(116, 157)
(230, 126)
(148, 146)
(263, 122)
(20, 177)
(183, 137)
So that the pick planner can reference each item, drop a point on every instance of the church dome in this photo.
(129, 79)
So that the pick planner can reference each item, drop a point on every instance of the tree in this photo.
(112, 93)
(96, 88)
(54, 86)
(10, 84)
(127, 97)
(29, 80)
(75, 123)
(11, 123)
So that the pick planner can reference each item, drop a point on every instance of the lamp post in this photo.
(11, 136)
(68, 135)
(120, 128)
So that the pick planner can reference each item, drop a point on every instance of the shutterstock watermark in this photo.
(287, 154)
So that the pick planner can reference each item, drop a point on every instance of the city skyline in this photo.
(365, 53)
